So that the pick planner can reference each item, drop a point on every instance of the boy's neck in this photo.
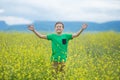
(58, 33)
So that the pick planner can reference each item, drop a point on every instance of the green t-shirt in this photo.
(59, 46)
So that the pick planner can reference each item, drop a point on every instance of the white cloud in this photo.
(77, 10)
(2, 10)
(15, 20)
(90, 10)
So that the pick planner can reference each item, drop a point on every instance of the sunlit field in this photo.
(91, 56)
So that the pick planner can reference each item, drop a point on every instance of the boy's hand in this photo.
(84, 26)
(31, 27)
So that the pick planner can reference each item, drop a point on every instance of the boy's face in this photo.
(59, 28)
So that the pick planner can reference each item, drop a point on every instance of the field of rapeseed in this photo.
(91, 56)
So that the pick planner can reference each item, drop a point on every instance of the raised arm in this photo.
(84, 26)
(31, 27)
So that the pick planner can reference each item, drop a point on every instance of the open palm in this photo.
(84, 26)
(31, 27)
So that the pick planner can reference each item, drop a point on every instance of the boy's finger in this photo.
(85, 24)
(30, 25)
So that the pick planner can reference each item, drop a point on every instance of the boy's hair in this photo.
(59, 23)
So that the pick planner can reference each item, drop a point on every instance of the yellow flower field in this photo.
(91, 56)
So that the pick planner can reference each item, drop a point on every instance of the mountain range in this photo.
(70, 26)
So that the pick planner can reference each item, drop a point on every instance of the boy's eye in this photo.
(58, 26)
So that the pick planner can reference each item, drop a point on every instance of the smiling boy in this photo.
(59, 44)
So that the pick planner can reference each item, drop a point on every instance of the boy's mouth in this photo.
(58, 29)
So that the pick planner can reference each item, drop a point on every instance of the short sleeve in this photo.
(69, 36)
(49, 36)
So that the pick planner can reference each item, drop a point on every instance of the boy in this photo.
(59, 44)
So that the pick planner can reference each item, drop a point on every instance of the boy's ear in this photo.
(63, 26)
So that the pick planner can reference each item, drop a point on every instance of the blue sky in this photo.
(28, 11)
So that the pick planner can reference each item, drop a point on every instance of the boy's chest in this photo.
(60, 40)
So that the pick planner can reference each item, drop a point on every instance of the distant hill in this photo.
(70, 26)
(3, 25)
